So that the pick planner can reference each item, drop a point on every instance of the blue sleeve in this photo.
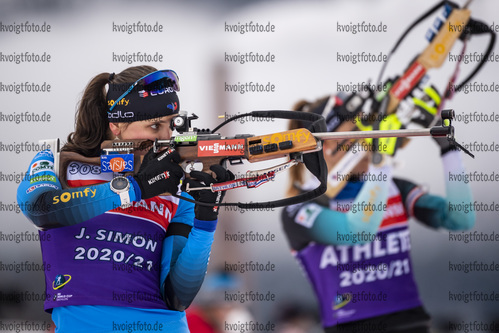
(187, 259)
(449, 212)
(185, 211)
(44, 202)
(174, 242)
(316, 223)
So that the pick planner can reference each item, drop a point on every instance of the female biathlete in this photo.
(354, 244)
(124, 255)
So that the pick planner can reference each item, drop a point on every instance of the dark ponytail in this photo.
(91, 122)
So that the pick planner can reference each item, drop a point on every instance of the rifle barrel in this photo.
(373, 134)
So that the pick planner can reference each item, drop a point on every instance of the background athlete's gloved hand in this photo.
(384, 147)
(159, 174)
(389, 146)
(426, 107)
(202, 179)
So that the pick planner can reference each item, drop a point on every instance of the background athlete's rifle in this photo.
(453, 24)
(199, 149)
(458, 25)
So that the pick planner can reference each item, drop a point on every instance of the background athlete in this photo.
(356, 255)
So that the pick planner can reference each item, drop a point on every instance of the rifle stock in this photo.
(211, 150)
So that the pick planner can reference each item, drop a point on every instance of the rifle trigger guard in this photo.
(235, 161)
(189, 166)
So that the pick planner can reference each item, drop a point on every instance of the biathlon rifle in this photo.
(199, 149)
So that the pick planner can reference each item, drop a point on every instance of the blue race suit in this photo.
(111, 268)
